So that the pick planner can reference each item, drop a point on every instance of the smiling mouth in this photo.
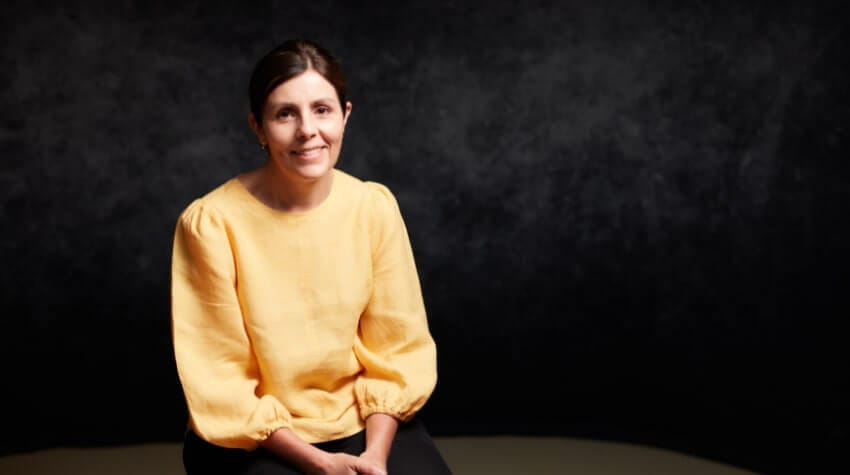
(308, 153)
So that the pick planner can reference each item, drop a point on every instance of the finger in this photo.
(366, 468)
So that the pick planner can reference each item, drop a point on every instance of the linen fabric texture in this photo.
(308, 320)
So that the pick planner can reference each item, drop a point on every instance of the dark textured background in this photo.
(630, 217)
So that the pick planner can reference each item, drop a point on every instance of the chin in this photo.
(313, 171)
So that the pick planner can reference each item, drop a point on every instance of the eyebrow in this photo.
(292, 104)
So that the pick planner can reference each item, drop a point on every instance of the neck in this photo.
(292, 194)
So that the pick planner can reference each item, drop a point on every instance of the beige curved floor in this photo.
(545, 456)
(466, 455)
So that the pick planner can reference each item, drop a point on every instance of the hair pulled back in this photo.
(288, 60)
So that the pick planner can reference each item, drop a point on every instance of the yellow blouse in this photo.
(310, 320)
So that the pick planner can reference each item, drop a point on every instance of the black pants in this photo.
(413, 453)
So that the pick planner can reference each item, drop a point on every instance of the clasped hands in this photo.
(346, 464)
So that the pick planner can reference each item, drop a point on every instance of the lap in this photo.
(203, 458)
(413, 453)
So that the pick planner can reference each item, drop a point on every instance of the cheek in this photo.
(279, 134)
(333, 134)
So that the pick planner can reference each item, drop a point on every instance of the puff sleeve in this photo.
(393, 344)
(215, 361)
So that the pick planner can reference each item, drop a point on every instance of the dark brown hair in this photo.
(288, 60)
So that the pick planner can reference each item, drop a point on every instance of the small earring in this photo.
(264, 146)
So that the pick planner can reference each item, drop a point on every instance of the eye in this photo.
(284, 114)
(322, 110)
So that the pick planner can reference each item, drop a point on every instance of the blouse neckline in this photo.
(253, 202)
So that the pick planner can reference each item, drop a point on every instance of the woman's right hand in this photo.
(314, 461)
(345, 464)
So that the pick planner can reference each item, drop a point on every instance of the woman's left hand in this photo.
(376, 464)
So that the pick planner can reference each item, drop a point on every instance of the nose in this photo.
(306, 128)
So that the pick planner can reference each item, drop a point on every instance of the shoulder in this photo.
(381, 193)
(207, 213)
(374, 196)
(383, 205)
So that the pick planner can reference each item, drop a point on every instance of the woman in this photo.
(300, 334)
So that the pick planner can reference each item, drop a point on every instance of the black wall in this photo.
(630, 217)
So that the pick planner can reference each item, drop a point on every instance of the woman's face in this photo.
(303, 124)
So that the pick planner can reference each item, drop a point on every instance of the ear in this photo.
(346, 113)
(257, 128)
